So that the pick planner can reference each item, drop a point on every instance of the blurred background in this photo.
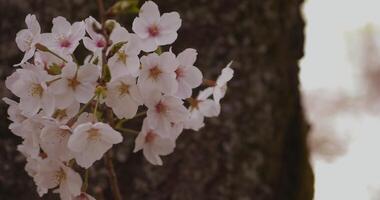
(300, 120)
(340, 76)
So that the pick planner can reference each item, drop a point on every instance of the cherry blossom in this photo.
(126, 60)
(90, 141)
(52, 173)
(123, 97)
(187, 75)
(158, 73)
(52, 64)
(96, 42)
(67, 113)
(153, 144)
(30, 84)
(76, 84)
(153, 29)
(15, 116)
(163, 111)
(64, 37)
(54, 138)
(26, 39)
(221, 83)
(201, 107)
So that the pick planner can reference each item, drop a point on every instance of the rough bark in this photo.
(255, 150)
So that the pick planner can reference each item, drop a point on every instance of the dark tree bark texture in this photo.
(255, 150)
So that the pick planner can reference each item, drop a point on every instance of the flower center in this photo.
(194, 103)
(122, 57)
(153, 31)
(161, 108)
(60, 114)
(150, 136)
(100, 43)
(73, 83)
(123, 89)
(65, 43)
(93, 134)
(154, 72)
(180, 73)
(60, 175)
(36, 90)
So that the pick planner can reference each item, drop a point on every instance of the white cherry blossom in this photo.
(163, 111)
(187, 75)
(90, 141)
(16, 116)
(30, 132)
(158, 73)
(52, 173)
(63, 115)
(64, 37)
(26, 39)
(123, 97)
(126, 60)
(30, 84)
(66, 111)
(76, 84)
(221, 83)
(54, 138)
(201, 107)
(153, 29)
(49, 62)
(32, 167)
(96, 42)
(153, 144)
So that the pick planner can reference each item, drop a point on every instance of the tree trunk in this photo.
(255, 150)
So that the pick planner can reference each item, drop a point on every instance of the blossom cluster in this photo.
(70, 113)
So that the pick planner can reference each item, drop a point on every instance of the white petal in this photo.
(69, 70)
(209, 108)
(88, 73)
(74, 182)
(32, 23)
(148, 44)
(193, 76)
(78, 30)
(140, 27)
(163, 146)
(187, 57)
(89, 44)
(84, 92)
(149, 12)
(206, 93)
(168, 83)
(151, 156)
(170, 22)
(108, 133)
(227, 74)
(166, 38)
(78, 140)
(59, 87)
(119, 34)
(60, 25)
(168, 62)
(184, 90)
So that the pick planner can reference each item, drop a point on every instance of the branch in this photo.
(112, 176)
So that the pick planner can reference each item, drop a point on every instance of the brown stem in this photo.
(112, 176)
(102, 16)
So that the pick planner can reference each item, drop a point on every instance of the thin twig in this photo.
(85, 183)
(112, 176)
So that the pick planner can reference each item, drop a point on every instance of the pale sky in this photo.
(327, 65)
